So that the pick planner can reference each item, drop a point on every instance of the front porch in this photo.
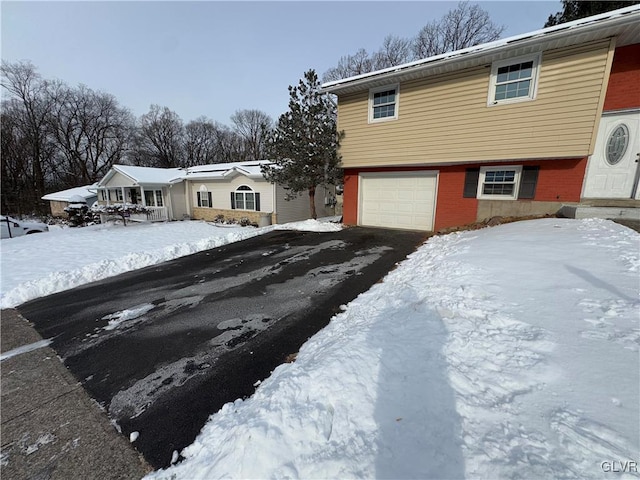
(154, 201)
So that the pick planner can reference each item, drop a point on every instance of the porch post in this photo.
(124, 199)
(144, 201)
(169, 205)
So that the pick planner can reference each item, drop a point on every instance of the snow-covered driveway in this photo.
(164, 347)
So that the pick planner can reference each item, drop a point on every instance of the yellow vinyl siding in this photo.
(445, 118)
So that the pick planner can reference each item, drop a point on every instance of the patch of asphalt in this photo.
(163, 348)
(243, 326)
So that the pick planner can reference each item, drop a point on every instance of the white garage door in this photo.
(398, 200)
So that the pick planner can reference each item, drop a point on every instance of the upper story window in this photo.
(499, 183)
(244, 198)
(383, 103)
(514, 80)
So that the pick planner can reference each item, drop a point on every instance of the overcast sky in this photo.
(213, 58)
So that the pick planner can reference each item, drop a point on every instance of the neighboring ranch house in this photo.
(520, 126)
(58, 201)
(231, 190)
(239, 190)
(160, 190)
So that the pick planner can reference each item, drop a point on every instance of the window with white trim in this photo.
(244, 198)
(383, 103)
(119, 196)
(514, 80)
(499, 183)
(153, 198)
(204, 197)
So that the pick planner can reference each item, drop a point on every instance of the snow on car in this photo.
(10, 227)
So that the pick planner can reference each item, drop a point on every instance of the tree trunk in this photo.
(312, 202)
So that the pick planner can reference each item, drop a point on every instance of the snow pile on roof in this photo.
(222, 170)
(151, 175)
(65, 195)
(500, 353)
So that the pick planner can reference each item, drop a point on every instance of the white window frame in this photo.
(119, 195)
(373, 91)
(516, 187)
(533, 87)
(244, 192)
(203, 196)
(154, 195)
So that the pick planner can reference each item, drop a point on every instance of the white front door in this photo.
(613, 168)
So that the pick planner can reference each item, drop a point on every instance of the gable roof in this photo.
(623, 24)
(220, 171)
(146, 175)
(65, 195)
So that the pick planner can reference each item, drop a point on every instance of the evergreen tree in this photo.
(303, 147)
(576, 9)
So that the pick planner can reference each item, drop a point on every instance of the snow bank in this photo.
(37, 265)
(506, 352)
(310, 226)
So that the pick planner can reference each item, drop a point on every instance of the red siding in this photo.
(623, 90)
(558, 181)
(451, 208)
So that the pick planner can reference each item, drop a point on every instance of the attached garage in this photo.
(403, 200)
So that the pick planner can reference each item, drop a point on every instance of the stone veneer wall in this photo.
(209, 214)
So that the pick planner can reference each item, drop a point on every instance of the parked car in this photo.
(10, 227)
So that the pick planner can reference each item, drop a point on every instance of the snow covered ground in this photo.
(63, 258)
(507, 352)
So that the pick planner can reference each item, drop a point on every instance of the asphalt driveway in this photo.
(163, 348)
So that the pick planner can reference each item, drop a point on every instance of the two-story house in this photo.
(519, 126)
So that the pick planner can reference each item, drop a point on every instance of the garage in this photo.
(398, 199)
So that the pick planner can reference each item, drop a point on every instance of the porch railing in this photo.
(154, 214)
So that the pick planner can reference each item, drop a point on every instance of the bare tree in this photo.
(464, 26)
(350, 66)
(395, 51)
(92, 133)
(159, 139)
(201, 142)
(31, 116)
(252, 126)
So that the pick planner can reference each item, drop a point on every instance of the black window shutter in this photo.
(233, 201)
(257, 202)
(528, 183)
(471, 183)
(210, 199)
(199, 199)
